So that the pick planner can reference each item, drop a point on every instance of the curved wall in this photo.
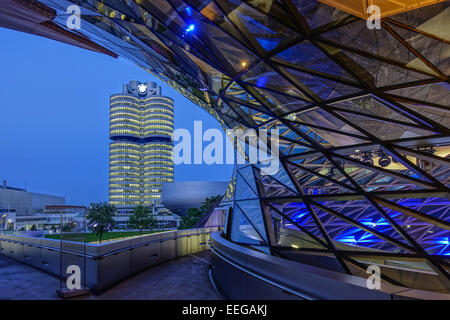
(110, 262)
(241, 273)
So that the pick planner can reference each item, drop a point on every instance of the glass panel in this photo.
(243, 189)
(252, 211)
(242, 231)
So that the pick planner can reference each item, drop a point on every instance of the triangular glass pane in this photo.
(379, 74)
(229, 115)
(282, 176)
(369, 106)
(324, 88)
(352, 237)
(288, 235)
(309, 56)
(273, 188)
(317, 14)
(433, 239)
(242, 230)
(236, 93)
(282, 103)
(385, 130)
(243, 190)
(321, 165)
(257, 25)
(229, 193)
(437, 93)
(438, 115)
(369, 175)
(264, 76)
(268, 43)
(247, 174)
(314, 184)
(378, 42)
(299, 213)
(289, 148)
(365, 213)
(252, 116)
(288, 133)
(435, 51)
(229, 51)
(320, 117)
(254, 214)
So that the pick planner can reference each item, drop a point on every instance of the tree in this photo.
(33, 227)
(209, 203)
(101, 218)
(191, 217)
(141, 218)
(152, 222)
(69, 226)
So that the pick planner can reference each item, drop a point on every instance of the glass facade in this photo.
(363, 116)
(140, 153)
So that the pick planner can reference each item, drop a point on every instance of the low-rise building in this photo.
(25, 203)
(21, 209)
(52, 217)
(165, 219)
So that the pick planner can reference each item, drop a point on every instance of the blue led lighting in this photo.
(268, 44)
(444, 241)
(299, 216)
(190, 28)
(434, 243)
(373, 224)
(350, 239)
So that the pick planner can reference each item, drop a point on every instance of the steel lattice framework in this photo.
(342, 96)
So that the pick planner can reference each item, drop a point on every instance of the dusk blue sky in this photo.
(54, 115)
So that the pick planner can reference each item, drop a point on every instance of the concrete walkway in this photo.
(21, 282)
(183, 278)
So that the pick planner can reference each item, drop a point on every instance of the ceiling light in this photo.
(367, 158)
(384, 161)
(190, 28)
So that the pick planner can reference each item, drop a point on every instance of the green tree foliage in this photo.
(69, 226)
(193, 215)
(209, 203)
(142, 218)
(100, 218)
(153, 222)
(33, 227)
